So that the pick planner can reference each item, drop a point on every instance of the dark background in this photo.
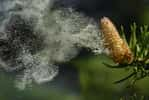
(120, 11)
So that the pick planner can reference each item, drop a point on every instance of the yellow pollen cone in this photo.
(119, 50)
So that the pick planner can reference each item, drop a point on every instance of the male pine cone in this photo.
(118, 48)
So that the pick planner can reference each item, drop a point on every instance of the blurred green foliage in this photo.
(36, 92)
(96, 82)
